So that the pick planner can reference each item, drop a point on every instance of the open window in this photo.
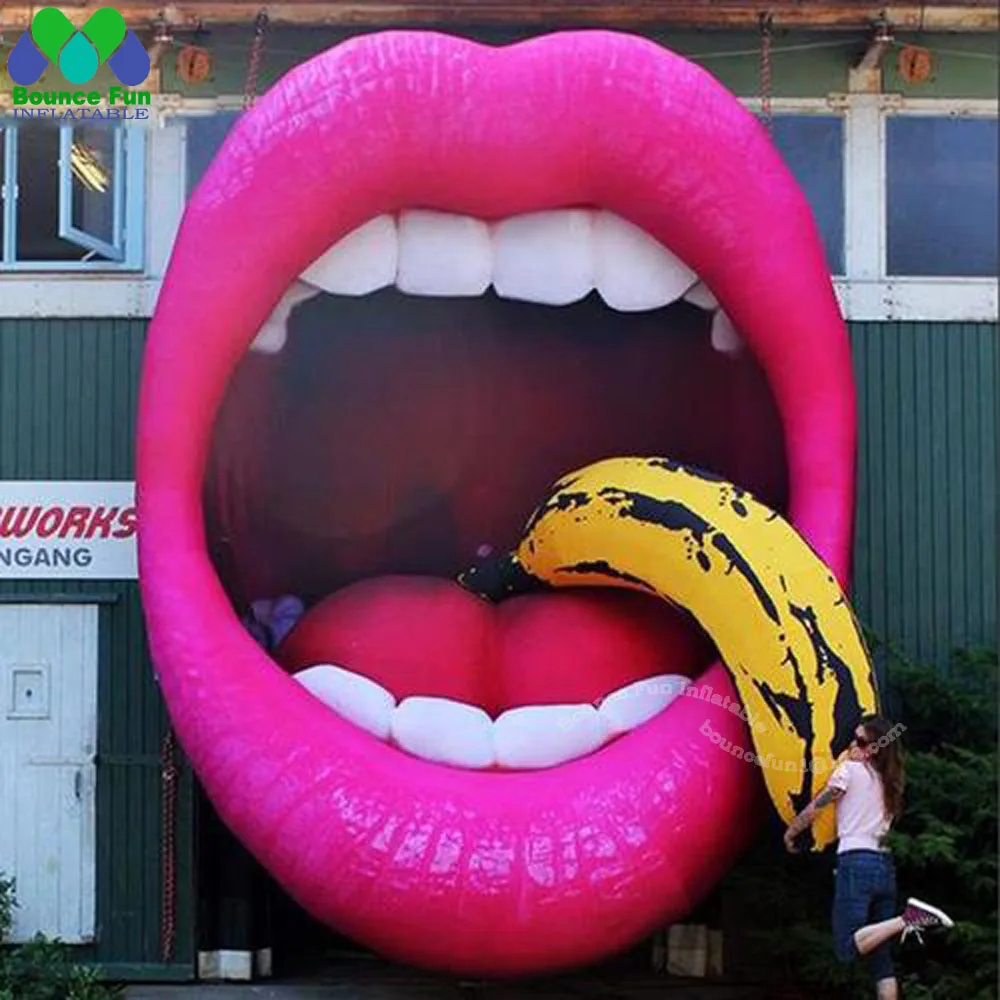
(72, 197)
(91, 203)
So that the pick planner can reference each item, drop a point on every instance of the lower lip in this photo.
(471, 872)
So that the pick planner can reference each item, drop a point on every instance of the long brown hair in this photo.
(886, 756)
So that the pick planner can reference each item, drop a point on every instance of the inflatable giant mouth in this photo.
(547, 169)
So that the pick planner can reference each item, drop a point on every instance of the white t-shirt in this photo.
(862, 821)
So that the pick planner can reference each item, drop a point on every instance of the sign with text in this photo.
(67, 530)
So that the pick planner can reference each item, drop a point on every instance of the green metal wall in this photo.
(925, 571)
(804, 64)
(926, 532)
(67, 411)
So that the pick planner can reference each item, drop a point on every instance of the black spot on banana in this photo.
(604, 568)
(779, 620)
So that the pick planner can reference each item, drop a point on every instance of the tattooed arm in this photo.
(808, 815)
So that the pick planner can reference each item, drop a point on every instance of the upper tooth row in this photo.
(553, 258)
(452, 732)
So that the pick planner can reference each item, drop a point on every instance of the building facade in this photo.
(108, 837)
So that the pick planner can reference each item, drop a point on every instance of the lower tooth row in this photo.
(552, 258)
(452, 732)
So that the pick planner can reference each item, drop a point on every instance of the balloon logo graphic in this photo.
(105, 38)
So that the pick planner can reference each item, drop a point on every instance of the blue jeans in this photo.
(865, 893)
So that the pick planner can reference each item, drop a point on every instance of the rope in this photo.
(766, 22)
(985, 56)
(168, 913)
(693, 56)
(256, 56)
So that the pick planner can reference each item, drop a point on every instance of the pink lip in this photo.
(473, 872)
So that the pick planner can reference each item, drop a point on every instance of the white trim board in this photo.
(931, 300)
(903, 299)
(77, 296)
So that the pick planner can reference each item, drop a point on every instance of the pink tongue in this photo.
(426, 636)
(579, 645)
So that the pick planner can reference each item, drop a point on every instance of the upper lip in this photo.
(398, 120)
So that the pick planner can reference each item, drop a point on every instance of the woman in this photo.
(867, 786)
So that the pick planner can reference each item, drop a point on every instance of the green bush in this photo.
(42, 969)
(7, 904)
(946, 843)
(945, 847)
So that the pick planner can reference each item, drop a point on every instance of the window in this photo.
(204, 137)
(941, 196)
(72, 197)
(813, 148)
(3, 193)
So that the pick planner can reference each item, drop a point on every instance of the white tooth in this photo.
(635, 272)
(272, 335)
(362, 262)
(545, 257)
(538, 736)
(358, 699)
(442, 254)
(725, 337)
(701, 297)
(636, 703)
(444, 731)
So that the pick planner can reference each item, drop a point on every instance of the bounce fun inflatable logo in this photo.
(78, 54)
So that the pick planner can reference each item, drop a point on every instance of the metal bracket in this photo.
(167, 104)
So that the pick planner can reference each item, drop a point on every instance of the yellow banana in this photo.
(776, 614)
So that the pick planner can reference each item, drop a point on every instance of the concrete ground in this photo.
(387, 987)
(368, 991)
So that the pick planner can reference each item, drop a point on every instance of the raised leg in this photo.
(868, 938)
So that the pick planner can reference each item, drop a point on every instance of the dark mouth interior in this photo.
(401, 434)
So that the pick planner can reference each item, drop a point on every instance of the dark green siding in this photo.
(925, 577)
(67, 398)
(926, 537)
(67, 411)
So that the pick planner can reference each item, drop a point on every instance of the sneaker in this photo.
(918, 916)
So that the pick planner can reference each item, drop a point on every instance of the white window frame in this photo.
(114, 292)
(874, 293)
(865, 291)
(124, 208)
(126, 253)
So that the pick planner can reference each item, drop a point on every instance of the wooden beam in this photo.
(977, 16)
